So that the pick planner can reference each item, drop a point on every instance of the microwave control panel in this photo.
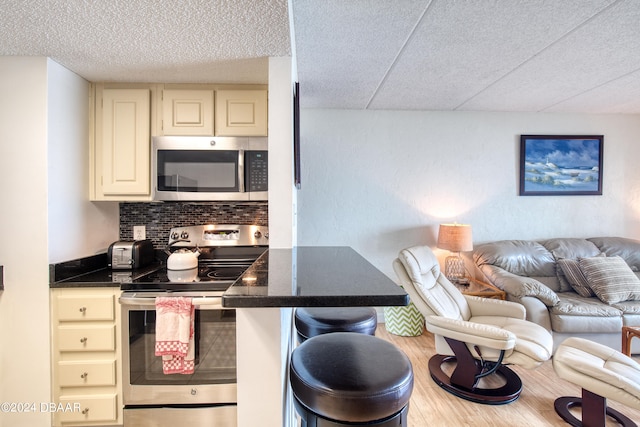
(257, 170)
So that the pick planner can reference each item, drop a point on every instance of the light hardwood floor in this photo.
(433, 407)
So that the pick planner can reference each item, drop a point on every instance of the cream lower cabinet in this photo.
(87, 361)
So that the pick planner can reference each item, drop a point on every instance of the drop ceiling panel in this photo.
(620, 96)
(344, 48)
(461, 47)
(602, 50)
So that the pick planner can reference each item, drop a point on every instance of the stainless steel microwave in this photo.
(198, 168)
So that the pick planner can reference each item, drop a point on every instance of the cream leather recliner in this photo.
(603, 373)
(479, 335)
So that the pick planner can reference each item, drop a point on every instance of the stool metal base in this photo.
(594, 411)
(311, 419)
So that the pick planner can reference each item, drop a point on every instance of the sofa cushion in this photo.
(611, 279)
(576, 314)
(519, 286)
(627, 249)
(571, 248)
(629, 309)
(520, 257)
(575, 277)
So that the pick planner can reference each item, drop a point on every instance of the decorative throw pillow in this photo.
(577, 280)
(562, 278)
(611, 279)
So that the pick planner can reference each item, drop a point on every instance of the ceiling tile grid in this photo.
(344, 48)
(598, 52)
(462, 47)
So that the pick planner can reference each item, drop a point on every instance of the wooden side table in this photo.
(628, 332)
(481, 289)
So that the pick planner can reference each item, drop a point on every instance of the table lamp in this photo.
(455, 238)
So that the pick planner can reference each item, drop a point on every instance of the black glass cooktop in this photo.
(201, 278)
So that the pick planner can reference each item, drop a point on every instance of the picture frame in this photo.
(296, 135)
(561, 165)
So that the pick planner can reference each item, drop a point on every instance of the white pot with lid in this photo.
(183, 276)
(183, 259)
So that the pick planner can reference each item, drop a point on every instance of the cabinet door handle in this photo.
(83, 310)
(84, 376)
(83, 340)
(85, 411)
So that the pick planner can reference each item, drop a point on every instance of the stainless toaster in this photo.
(130, 254)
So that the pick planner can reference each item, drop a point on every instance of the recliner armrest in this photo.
(471, 333)
(493, 307)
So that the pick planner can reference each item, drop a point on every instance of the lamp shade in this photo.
(455, 237)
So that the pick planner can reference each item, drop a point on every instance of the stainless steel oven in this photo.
(150, 396)
(206, 397)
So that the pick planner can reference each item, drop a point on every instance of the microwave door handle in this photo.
(241, 170)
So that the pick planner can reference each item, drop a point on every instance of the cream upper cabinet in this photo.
(121, 149)
(241, 112)
(126, 115)
(187, 112)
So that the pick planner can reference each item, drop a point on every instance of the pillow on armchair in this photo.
(611, 279)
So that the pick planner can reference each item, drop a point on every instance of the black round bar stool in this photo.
(322, 320)
(347, 379)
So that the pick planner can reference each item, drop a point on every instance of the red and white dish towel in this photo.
(174, 334)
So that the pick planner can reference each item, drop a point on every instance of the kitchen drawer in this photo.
(85, 409)
(72, 308)
(86, 338)
(84, 373)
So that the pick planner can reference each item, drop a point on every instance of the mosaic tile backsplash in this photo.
(159, 218)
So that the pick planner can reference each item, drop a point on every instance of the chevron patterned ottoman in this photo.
(405, 321)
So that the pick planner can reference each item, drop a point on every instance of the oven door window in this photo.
(198, 170)
(215, 349)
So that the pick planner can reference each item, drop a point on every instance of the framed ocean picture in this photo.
(559, 165)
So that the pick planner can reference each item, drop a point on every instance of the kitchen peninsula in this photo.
(264, 297)
(318, 276)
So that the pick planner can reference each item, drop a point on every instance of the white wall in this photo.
(282, 196)
(77, 227)
(380, 181)
(24, 304)
(45, 216)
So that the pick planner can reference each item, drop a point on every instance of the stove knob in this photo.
(257, 234)
(266, 235)
(174, 235)
(184, 235)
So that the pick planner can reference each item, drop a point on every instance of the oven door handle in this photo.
(203, 303)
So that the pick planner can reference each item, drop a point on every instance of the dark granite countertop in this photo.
(313, 277)
(92, 272)
(300, 277)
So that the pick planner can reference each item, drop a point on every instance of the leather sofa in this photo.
(534, 274)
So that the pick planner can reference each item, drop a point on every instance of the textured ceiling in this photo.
(479, 55)
(218, 41)
(467, 55)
